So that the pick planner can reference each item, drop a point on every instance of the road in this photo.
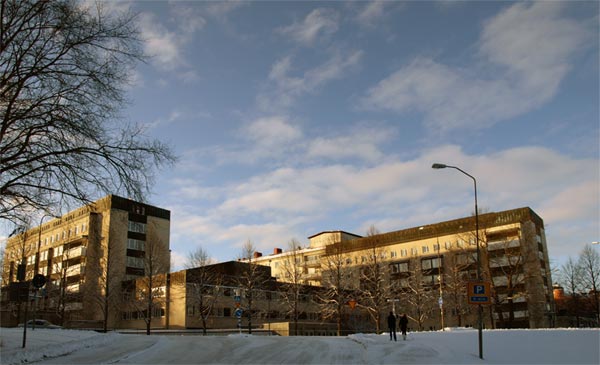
(139, 349)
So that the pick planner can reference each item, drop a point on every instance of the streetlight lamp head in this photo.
(438, 166)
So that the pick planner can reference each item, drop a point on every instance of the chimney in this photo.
(257, 254)
(277, 251)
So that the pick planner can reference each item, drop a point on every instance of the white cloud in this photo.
(362, 143)
(186, 18)
(160, 43)
(319, 22)
(372, 12)
(399, 194)
(219, 9)
(527, 45)
(173, 117)
(271, 138)
(272, 130)
(284, 89)
(166, 45)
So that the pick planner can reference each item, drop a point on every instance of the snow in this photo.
(452, 346)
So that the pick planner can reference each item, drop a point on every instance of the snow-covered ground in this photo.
(453, 346)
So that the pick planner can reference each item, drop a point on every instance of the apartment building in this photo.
(218, 297)
(84, 255)
(435, 262)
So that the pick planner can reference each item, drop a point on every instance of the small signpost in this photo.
(479, 292)
(238, 314)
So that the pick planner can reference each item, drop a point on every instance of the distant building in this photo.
(514, 258)
(217, 292)
(574, 310)
(116, 252)
(74, 252)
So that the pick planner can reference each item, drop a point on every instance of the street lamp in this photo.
(480, 308)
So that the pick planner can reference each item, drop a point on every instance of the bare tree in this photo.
(337, 279)
(63, 72)
(505, 266)
(589, 262)
(419, 295)
(106, 292)
(292, 287)
(202, 283)
(375, 286)
(154, 280)
(251, 279)
(455, 282)
(571, 278)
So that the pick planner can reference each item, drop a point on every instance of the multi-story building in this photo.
(216, 297)
(86, 254)
(435, 262)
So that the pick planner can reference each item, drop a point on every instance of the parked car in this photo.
(40, 323)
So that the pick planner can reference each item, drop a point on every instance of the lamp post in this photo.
(479, 307)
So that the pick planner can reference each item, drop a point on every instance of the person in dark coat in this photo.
(392, 325)
(403, 325)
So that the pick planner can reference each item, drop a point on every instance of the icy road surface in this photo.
(456, 346)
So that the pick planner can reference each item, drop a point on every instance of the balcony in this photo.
(74, 252)
(74, 270)
(71, 289)
(312, 263)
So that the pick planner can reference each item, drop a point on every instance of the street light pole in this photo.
(479, 307)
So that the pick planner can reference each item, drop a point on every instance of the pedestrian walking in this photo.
(403, 325)
(392, 325)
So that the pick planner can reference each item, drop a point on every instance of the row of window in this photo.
(448, 245)
(426, 264)
(156, 313)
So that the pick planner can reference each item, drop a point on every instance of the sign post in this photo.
(238, 314)
(38, 281)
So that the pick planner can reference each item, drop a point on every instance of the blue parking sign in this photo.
(479, 292)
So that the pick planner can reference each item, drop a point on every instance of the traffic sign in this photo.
(479, 292)
(238, 313)
(38, 281)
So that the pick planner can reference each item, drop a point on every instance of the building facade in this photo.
(217, 298)
(426, 268)
(85, 255)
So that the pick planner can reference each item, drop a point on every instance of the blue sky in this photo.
(292, 118)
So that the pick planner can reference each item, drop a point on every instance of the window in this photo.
(425, 249)
(414, 251)
(137, 227)
(136, 262)
(399, 267)
(448, 245)
(436, 247)
(403, 252)
(393, 254)
(134, 244)
(432, 263)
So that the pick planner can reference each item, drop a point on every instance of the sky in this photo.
(293, 118)
(453, 346)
